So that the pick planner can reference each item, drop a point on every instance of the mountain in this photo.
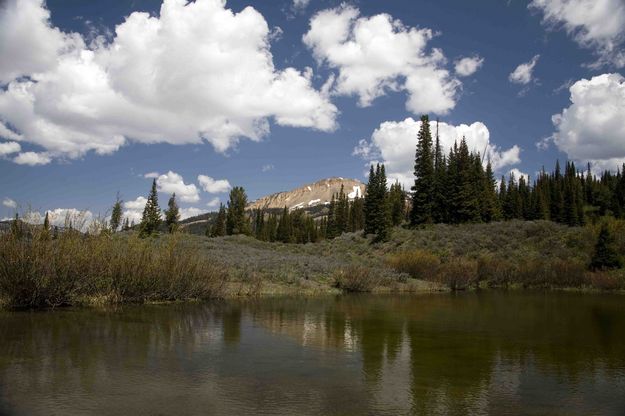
(311, 195)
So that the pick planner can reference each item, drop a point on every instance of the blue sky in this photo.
(305, 127)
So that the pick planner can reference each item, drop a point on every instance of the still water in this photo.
(478, 354)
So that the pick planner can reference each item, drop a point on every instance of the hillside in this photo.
(310, 195)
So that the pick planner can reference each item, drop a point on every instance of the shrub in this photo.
(605, 281)
(496, 272)
(75, 268)
(419, 264)
(355, 279)
(458, 273)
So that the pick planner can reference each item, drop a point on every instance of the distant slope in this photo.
(307, 196)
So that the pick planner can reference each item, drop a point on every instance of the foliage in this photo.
(151, 218)
(172, 214)
(355, 279)
(76, 268)
(605, 256)
(236, 221)
(116, 215)
(419, 264)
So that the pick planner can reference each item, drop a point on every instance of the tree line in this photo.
(453, 188)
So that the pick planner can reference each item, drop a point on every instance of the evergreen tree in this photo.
(151, 218)
(397, 202)
(491, 210)
(356, 215)
(236, 222)
(605, 256)
(116, 215)
(172, 214)
(423, 188)
(332, 226)
(126, 226)
(284, 230)
(440, 209)
(219, 226)
(377, 218)
(45, 232)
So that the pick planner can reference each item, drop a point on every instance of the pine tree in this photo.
(219, 226)
(440, 209)
(151, 218)
(491, 210)
(45, 232)
(126, 226)
(423, 188)
(397, 202)
(342, 212)
(116, 214)
(236, 222)
(356, 215)
(605, 256)
(172, 214)
(332, 227)
(376, 212)
(284, 231)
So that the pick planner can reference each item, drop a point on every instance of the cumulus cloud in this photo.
(32, 159)
(190, 212)
(71, 98)
(394, 142)
(593, 24)
(151, 175)
(299, 5)
(62, 217)
(213, 186)
(171, 182)
(378, 54)
(524, 73)
(467, 66)
(213, 203)
(591, 128)
(133, 210)
(9, 147)
(517, 174)
(9, 203)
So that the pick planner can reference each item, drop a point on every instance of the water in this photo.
(488, 353)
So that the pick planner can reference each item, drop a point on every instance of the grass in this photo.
(82, 269)
(91, 269)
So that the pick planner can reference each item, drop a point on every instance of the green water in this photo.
(488, 353)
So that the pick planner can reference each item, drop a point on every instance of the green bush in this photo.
(77, 268)
(458, 273)
(419, 264)
(355, 279)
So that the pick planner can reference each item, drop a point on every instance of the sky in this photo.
(97, 99)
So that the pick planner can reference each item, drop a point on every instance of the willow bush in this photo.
(75, 268)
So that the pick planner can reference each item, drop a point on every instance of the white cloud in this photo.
(594, 24)
(213, 186)
(299, 5)
(394, 144)
(9, 203)
(190, 212)
(213, 203)
(171, 182)
(32, 159)
(268, 167)
(467, 66)
(591, 128)
(133, 210)
(518, 174)
(9, 134)
(523, 74)
(9, 147)
(151, 175)
(62, 217)
(374, 55)
(79, 98)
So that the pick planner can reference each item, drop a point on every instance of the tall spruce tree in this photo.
(172, 214)
(397, 203)
(236, 222)
(218, 229)
(423, 188)
(284, 231)
(151, 218)
(116, 214)
(605, 256)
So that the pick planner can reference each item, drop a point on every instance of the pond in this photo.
(491, 353)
